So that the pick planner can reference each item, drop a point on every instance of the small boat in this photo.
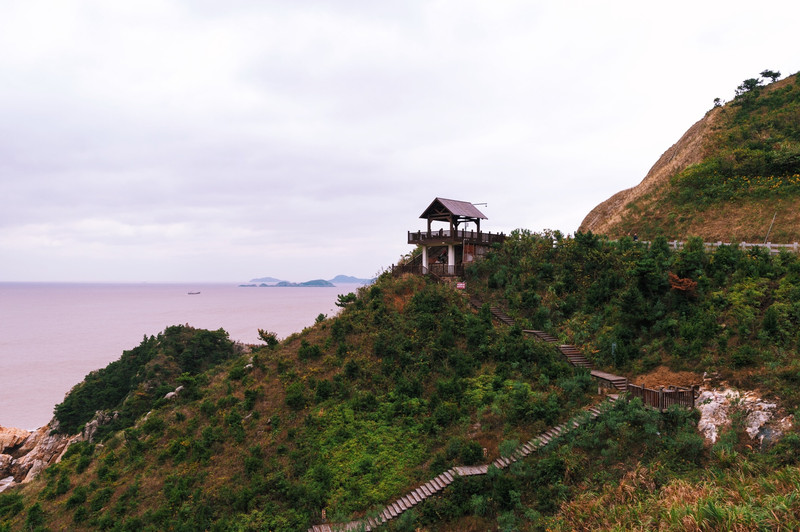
(193, 293)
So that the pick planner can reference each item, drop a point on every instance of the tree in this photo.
(717, 102)
(773, 76)
(747, 86)
(345, 299)
(269, 337)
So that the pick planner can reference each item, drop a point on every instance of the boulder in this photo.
(27, 459)
(6, 483)
(174, 394)
(11, 437)
(100, 418)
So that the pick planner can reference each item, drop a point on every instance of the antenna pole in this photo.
(770, 226)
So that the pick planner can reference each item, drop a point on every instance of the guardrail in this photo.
(663, 398)
(774, 249)
(445, 235)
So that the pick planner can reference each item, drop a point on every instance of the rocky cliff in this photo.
(24, 454)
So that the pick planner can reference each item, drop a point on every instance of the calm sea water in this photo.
(53, 334)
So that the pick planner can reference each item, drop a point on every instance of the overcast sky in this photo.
(191, 140)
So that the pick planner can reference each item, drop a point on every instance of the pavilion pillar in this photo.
(424, 260)
(451, 259)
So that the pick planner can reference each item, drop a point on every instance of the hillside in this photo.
(724, 180)
(409, 381)
(405, 383)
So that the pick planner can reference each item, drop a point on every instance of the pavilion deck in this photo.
(445, 236)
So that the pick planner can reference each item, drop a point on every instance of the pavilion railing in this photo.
(467, 237)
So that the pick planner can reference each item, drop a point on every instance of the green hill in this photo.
(405, 383)
(409, 381)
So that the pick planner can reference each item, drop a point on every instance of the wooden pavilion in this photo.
(445, 251)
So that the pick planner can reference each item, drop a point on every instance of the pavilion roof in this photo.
(446, 209)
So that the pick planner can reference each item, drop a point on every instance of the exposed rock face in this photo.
(716, 407)
(99, 419)
(11, 437)
(22, 460)
(23, 454)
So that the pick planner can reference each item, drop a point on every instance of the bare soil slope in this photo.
(660, 205)
(690, 149)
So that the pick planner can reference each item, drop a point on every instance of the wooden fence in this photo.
(663, 398)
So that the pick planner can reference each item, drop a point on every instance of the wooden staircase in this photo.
(501, 316)
(440, 482)
(541, 335)
(574, 356)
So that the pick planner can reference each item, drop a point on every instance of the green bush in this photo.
(108, 389)
(296, 396)
(308, 351)
(11, 504)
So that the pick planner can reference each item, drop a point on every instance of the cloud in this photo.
(177, 140)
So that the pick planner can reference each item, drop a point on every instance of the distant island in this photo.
(271, 282)
(266, 280)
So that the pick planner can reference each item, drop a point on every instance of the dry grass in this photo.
(644, 205)
(690, 149)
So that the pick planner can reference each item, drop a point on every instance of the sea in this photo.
(53, 334)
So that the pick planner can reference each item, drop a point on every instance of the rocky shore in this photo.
(24, 454)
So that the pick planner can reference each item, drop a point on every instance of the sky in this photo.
(200, 141)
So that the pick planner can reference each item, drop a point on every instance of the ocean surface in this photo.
(53, 334)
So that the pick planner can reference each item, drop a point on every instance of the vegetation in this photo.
(142, 376)
(404, 383)
(749, 173)
(755, 153)
(637, 306)
(407, 381)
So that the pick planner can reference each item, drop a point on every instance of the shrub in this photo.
(295, 396)
(269, 338)
(11, 504)
(35, 517)
(77, 498)
(744, 356)
(308, 351)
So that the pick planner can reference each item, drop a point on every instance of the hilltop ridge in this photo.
(726, 179)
